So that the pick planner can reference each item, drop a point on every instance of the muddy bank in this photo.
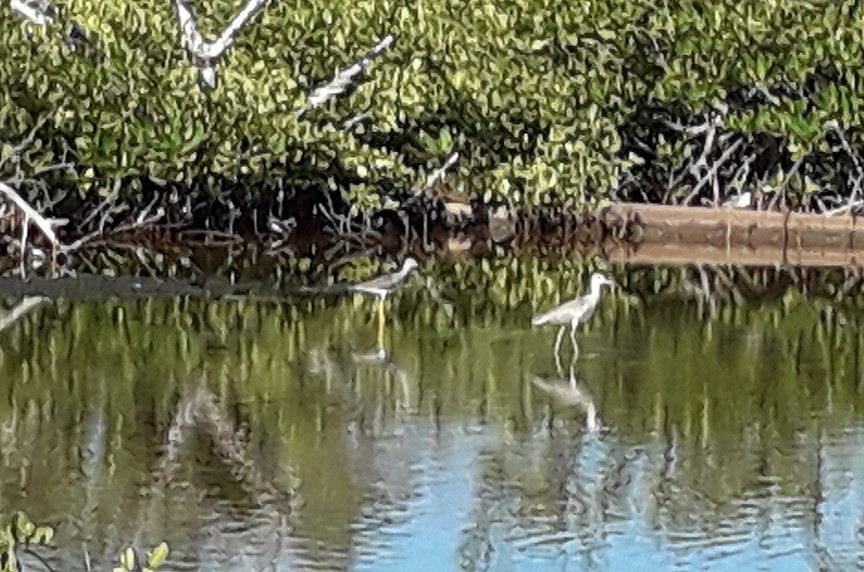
(665, 234)
(725, 227)
(624, 232)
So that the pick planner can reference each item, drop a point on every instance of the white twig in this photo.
(54, 167)
(709, 127)
(706, 148)
(26, 142)
(847, 207)
(345, 78)
(713, 171)
(438, 174)
(39, 12)
(30, 214)
(856, 183)
(207, 54)
(139, 222)
(348, 124)
(25, 234)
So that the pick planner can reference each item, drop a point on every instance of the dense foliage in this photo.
(544, 100)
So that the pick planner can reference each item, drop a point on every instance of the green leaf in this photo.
(158, 555)
(6, 151)
(128, 559)
(23, 526)
(108, 144)
(42, 535)
(445, 140)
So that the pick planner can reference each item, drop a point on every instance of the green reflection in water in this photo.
(149, 420)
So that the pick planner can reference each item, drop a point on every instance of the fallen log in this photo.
(676, 235)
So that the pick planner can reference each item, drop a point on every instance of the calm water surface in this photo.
(271, 435)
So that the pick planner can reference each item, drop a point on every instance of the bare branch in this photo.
(30, 213)
(141, 221)
(39, 12)
(856, 183)
(344, 78)
(205, 54)
(438, 174)
(713, 171)
(226, 39)
(844, 208)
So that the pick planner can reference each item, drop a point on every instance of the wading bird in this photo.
(382, 286)
(574, 312)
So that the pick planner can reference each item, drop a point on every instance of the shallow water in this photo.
(270, 435)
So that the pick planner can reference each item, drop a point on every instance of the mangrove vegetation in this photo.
(253, 117)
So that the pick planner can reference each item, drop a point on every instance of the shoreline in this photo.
(622, 232)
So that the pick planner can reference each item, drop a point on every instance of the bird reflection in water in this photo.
(570, 391)
(26, 305)
(341, 375)
(380, 359)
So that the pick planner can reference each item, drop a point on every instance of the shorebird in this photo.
(575, 311)
(382, 286)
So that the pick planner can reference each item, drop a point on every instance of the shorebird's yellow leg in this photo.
(573, 341)
(380, 338)
(558, 339)
(558, 367)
